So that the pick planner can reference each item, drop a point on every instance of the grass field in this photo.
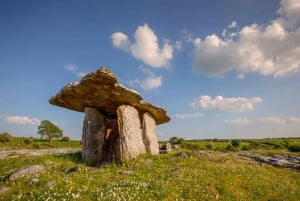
(181, 175)
(35, 143)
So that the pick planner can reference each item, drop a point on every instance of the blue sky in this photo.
(221, 69)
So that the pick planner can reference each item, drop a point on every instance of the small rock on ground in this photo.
(50, 184)
(32, 170)
(33, 181)
(126, 172)
(3, 190)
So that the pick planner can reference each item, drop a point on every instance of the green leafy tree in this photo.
(176, 140)
(49, 130)
(235, 143)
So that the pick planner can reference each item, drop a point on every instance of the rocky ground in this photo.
(276, 160)
(12, 153)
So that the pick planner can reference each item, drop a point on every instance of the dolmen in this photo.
(117, 125)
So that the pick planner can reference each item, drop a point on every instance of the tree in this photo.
(49, 130)
(235, 143)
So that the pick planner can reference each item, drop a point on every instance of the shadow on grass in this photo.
(73, 157)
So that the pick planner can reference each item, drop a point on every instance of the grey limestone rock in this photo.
(32, 170)
(149, 134)
(93, 136)
(131, 139)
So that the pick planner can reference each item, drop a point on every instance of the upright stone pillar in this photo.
(149, 134)
(93, 136)
(131, 139)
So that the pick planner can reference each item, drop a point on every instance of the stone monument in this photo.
(117, 125)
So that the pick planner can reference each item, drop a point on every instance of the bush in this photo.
(28, 140)
(230, 148)
(235, 143)
(245, 147)
(65, 139)
(176, 140)
(209, 146)
(294, 147)
(5, 137)
(36, 146)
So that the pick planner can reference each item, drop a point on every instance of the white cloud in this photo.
(272, 120)
(225, 104)
(145, 47)
(271, 49)
(241, 76)
(294, 120)
(279, 121)
(289, 10)
(238, 121)
(232, 25)
(187, 36)
(178, 45)
(149, 83)
(188, 115)
(120, 40)
(72, 68)
(22, 120)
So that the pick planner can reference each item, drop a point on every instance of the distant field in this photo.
(272, 145)
(35, 143)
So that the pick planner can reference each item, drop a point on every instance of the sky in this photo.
(221, 69)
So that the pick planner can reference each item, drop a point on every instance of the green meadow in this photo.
(196, 172)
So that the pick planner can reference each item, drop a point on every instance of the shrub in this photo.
(230, 148)
(294, 147)
(5, 137)
(36, 146)
(176, 140)
(235, 143)
(209, 146)
(245, 147)
(65, 139)
(28, 140)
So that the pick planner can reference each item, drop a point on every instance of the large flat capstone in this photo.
(102, 91)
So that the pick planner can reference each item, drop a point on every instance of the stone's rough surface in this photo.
(149, 134)
(93, 136)
(130, 131)
(32, 170)
(102, 91)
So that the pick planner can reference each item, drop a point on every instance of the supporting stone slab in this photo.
(149, 134)
(131, 139)
(93, 136)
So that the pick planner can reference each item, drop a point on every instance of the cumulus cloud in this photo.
(22, 120)
(279, 121)
(120, 40)
(225, 104)
(293, 120)
(145, 47)
(151, 81)
(271, 49)
(178, 45)
(73, 69)
(238, 121)
(272, 120)
(188, 115)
